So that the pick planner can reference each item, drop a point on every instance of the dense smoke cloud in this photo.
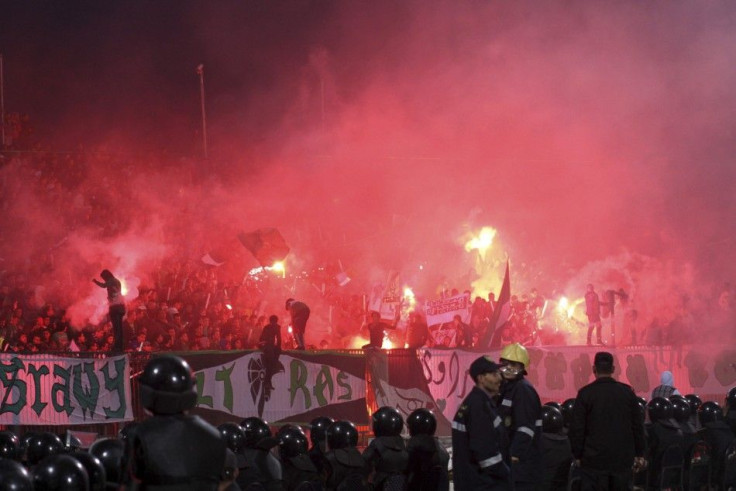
(380, 134)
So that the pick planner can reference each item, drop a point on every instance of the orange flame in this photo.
(482, 242)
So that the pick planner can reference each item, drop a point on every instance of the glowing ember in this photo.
(482, 242)
(229, 307)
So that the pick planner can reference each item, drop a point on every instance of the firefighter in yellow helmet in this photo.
(521, 411)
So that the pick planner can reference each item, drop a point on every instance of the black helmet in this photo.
(127, 429)
(695, 403)
(233, 435)
(642, 406)
(710, 412)
(95, 470)
(552, 421)
(255, 430)
(167, 385)
(14, 477)
(387, 421)
(287, 428)
(60, 473)
(731, 398)
(567, 408)
(342, 434)
(421, 422)
(24, 441)
(42, 445)
(554, 404)
(318, 427)
(680, 410)
(9, 445)
(71, 443)
(292, 442)
(659, 409)
(110, 452)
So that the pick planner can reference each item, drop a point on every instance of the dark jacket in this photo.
(557, 457)
(718, 435)
(660, 436)
(478, 437)
(178, 452)
(346, 464)
(607, 430)
(521, 411)
(386, 456)
(261, 467)
(427, 467)
(298, 470)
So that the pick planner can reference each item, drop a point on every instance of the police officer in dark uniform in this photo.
(717, 434)
(172, 450)
(317, 434)
(557, 454)
(346, 468)
(521, 411)
(428, 459)
(662, 433)
(478, 434)
(607, 430)
(297, 467)
(731, 409)
(386, 455)
(260, 465)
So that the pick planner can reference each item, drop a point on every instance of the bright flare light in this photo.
(482, 242)
(279, 267)
(123, 287)
(565, 307)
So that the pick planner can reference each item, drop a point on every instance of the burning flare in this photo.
(482, 242)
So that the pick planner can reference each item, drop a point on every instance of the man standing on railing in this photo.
(117, 306)
(299, 312)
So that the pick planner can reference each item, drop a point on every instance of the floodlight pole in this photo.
(200, 72)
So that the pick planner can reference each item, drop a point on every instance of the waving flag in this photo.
(500, 316)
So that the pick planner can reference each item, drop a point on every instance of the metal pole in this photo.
(200, 72)
(2, 103)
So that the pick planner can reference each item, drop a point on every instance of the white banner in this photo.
(443, 310)
(51, 390)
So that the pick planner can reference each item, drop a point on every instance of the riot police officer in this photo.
(260, 465)
(662, 433)
(386, 455)
(428, 459)
(478, 434)
(731, 409)
(521, 411)
(346, 468)
(298, 469)
(110, 453)
(557, 453)
(172, 450)
(317, 434)
(717, 434)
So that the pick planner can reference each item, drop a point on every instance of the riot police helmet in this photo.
(567, 408)
(421, 421)
(292, 442)
(42, 445)
(60, 472)
(14, 477)
(731, 399)
(9, 445)
(710, 412)
(342, 434)
(110, 452)
(659, 409)
(167, 385)
(318, 428)
(694, 402)
(387, 421)
(95, 470)
(680, 410)
(255, 430)
(552, 421)
(234, 436)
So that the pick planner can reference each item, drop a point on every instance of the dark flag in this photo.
(266, 244)
(501, 314)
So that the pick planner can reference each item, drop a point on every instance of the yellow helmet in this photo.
(515, 352)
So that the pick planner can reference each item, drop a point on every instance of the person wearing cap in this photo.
(478, 434)
(521, 410)
(299, 312)
(607, 430)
